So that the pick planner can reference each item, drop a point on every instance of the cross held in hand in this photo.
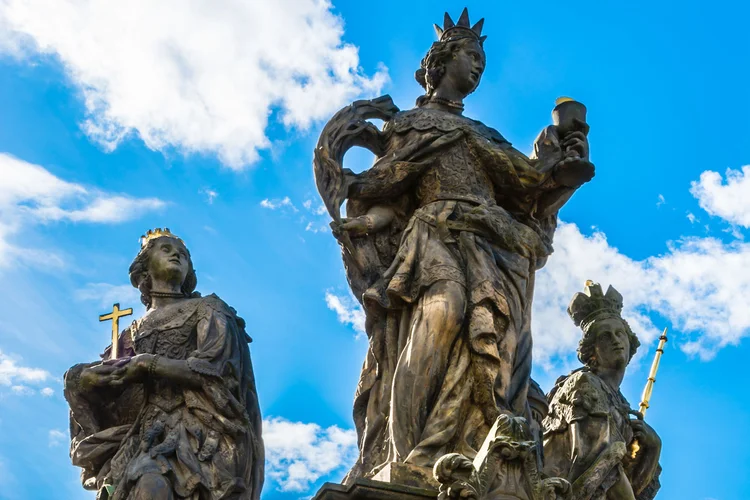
(115, 316)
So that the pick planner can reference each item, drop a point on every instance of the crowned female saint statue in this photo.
(590, 430)
(442, 239)
(176, 416)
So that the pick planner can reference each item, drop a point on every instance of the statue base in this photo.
(368, 489)
(408, 475)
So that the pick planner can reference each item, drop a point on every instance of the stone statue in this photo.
(176, 416)
(589, 434)
(442, 239)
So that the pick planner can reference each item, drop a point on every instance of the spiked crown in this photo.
(461, 29)
(593, 304)
(152, 234)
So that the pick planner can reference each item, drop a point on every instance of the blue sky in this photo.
(202, 117)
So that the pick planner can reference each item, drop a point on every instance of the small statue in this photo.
(589, 434)
(176, 416)
(443, 236)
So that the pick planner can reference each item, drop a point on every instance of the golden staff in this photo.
(646, 396)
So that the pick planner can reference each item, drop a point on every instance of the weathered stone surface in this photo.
(176, 414)
(591, 434)
(443, 236)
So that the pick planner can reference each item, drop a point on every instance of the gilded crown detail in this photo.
(460, 29)
(158, 232)
(593, 304)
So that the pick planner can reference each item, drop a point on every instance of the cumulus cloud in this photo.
(47, 392)
(13, 374)
(30, 194)
(696, 285)
(201, 77)
(348, 310)
(726, 198)
(298, 454)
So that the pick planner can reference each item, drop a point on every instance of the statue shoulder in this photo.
(212, 304)
(576, 397)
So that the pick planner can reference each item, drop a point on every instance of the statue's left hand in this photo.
(646, 435)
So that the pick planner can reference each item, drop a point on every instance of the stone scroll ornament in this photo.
(441, 241)
(171, 411)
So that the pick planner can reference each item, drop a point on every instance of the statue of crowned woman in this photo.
(441, 241)
(175, 415)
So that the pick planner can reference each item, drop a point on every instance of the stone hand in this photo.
(97, 376)
(355, 226)
(573, 172)
(575, 145)
(646, 436)
(133, 371)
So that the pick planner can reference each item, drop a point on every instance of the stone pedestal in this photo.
(366, 489)
(409, 475)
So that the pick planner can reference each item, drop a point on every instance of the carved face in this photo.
(464, 70)
(612, 347)
(169, 261)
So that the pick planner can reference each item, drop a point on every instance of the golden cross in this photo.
(115, 316)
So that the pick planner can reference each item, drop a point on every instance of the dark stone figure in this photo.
(590, 431)
(177, 416)
(443, 236)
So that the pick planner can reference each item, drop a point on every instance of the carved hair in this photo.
(141, 279)
(586, 346)
(432, 67)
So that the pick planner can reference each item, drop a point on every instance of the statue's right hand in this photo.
(97, 376)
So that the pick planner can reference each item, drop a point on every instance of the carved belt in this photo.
(469, 198)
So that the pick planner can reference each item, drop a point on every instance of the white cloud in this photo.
(22, 390)
(106, 294)
(698, 285)
(47, 392)
(320, 210)
(660, 200)
(201, 77)
(30, 194)
(298, 454)
(56, 437)
(278, 203)
(729, 200)
(348, 310)
(13, 374)
(210, 195)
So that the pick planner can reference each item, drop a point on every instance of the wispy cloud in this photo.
(56, 437)
(210, 195)
(298, 454)
(279, 203)
(14, 374)
(106, 294)
(201, 79)
(348, 310)
(31, 195)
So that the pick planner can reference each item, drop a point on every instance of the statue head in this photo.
(607, 338)
(457, 59)
(165, 258)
